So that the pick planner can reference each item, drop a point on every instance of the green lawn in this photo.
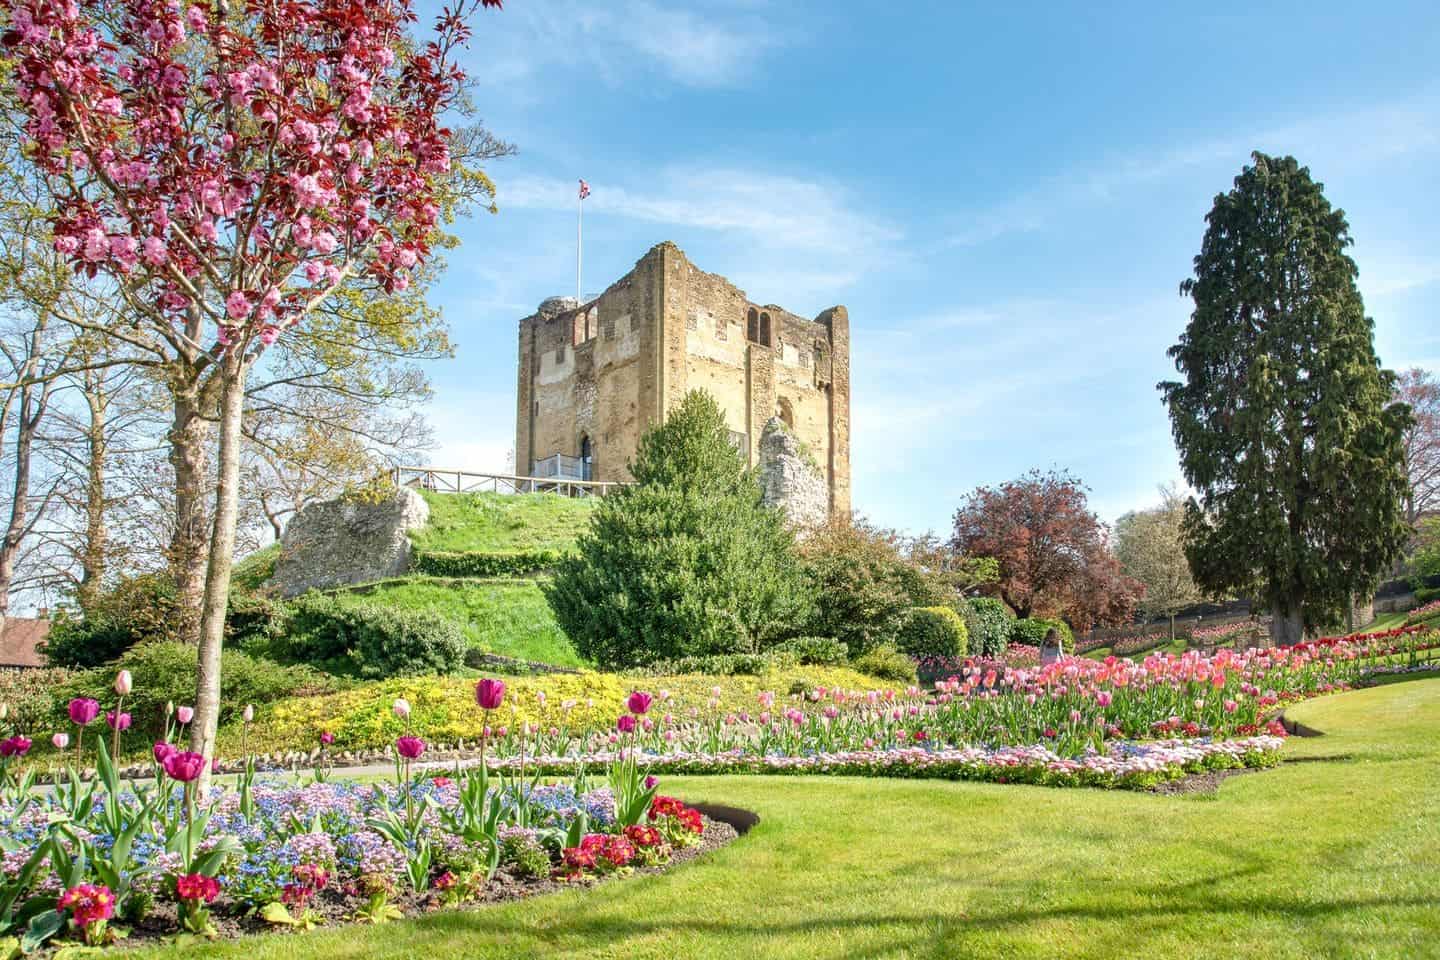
(1386, 621)
(500, 523)
(1332, 855)
(510, 618)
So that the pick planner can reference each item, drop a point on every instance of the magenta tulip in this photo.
(326, 737)
(83, 711)
(185, 766)
(117, 721)
(639, 702)
(410, 747)
(489, 694)
(626, 723)
(16, 746)
(162, 749)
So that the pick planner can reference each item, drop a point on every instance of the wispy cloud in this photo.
(779, 210)
(1344, 140)
(707, 45)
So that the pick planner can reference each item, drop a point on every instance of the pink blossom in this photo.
(237, 305)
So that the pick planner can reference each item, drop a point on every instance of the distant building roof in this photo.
(19, 639)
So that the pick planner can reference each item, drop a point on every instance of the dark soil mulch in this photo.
(1207, 782)
(162, 922)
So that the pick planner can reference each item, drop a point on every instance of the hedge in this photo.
(442, 563)
(1031, 631)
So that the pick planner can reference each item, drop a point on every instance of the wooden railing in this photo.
(464, 481)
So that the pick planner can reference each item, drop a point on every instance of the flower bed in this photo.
(98, 866)
(1135, 766)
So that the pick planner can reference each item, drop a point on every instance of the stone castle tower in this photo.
(594, 377)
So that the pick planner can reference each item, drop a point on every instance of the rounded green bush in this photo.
(988, 620)
(934, 632)
(887, 663)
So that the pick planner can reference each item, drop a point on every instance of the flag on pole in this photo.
(584, 189)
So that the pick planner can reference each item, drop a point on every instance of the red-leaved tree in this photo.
(232, 166)
(1053, 552)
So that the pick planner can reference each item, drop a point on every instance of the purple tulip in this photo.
(639, 702)
(625, 724)
(489, 694)
(184, 767)
(118, 721)
(16, 746)
(410, 747)
(83, 711)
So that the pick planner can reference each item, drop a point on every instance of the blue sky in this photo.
(1005, 200)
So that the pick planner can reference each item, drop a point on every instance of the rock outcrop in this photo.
(790, 478)
(344, 541)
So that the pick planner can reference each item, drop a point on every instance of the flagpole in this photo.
(579, 220)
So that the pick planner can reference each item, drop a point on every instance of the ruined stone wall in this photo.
(611, 369)
(791, 479)
(338, 542)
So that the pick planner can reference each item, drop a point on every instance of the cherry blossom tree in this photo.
(232, 167)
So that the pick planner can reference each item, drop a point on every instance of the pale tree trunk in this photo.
(93, 550)
(1287, 621)
(189, 435)
(34, 399)
(222, 550)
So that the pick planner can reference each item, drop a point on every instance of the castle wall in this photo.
(611, 369)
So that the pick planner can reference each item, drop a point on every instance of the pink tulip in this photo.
(123, 683)
(401, 708)
(490, 694)
(184, 714)
(185, 766)
(60, 740)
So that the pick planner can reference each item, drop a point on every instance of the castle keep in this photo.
(594, 377)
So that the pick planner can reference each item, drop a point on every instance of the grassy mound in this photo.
(501, 523)
(506, 617)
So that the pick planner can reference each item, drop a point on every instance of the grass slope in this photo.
(501, 523)
(510, 618)
(1332, 857)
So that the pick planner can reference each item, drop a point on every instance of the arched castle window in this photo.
(785, 412)
(765, 329)
(587, 458)
(752, 325)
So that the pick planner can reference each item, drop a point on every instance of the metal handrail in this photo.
(445, 480)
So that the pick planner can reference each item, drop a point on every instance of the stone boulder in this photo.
(790, 477)
(338, 542)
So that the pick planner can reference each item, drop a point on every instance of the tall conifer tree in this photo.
(1283, 416)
